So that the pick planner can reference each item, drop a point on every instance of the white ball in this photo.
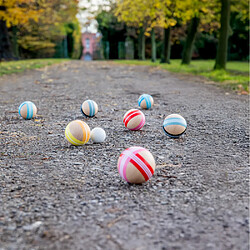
(98, 135)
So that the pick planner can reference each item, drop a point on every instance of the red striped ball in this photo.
(136, 165)
(134, 119)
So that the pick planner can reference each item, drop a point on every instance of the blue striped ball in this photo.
(174, 125)
(89, 108)
(145, 101)
(27, 110)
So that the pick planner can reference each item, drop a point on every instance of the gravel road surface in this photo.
(57, 196)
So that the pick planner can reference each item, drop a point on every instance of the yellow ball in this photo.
(77, 132)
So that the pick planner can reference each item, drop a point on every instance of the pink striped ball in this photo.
(136, 165)
(134, 119)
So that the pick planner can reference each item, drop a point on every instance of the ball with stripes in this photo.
(77, 132)
(27, 110)
(89, 108)
(136, 165)
(174, 125)
(145, 101)
(134, 119)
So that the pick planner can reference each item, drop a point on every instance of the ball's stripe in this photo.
(175, 121)
(140, 100)
(123, 166)
(90, 108)
(148, 103)
(130, 116)
(146, 163)
(71, 138)
(139, 164)
(125, 160)
(28, 111)
(140, 124)
(130, 113)
(20, 107)
(31, 110)
(140, 169)
(84, 127)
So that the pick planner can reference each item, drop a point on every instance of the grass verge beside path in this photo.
(236, 76)
(20, 66)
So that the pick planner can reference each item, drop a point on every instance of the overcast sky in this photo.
(83, 16)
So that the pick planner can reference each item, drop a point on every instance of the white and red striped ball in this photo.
(134, 119)
(89, 108)
(174, 125)
(145, 101)
(27, 110)
(77, 132)
(136, 165)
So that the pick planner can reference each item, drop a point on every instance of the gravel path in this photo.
(57, 196)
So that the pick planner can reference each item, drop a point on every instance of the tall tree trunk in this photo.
(166, 47)
(153, 46)
(189, 44)
(141, 44)
(221, 56)
(14, 42)
(5, 46)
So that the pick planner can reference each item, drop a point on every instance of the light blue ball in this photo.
(145, 101)
(27, 110)
(174, 125)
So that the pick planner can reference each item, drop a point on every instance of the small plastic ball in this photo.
(89, 108)
(145, 101)
(77, 132)
(136, 165)
(27, 110)
(98, 135)
(134, 119)
(174, 125)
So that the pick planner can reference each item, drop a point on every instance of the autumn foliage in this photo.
(40, 28)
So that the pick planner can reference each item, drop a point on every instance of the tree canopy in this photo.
(43, 28)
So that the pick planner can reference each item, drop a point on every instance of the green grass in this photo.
(20, 66)
(236, 76)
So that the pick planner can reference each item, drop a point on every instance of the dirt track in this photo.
(57, 196)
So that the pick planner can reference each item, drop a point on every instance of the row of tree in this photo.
(147, 17)
(39, 28)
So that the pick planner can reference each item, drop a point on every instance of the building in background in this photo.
(90, 45)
